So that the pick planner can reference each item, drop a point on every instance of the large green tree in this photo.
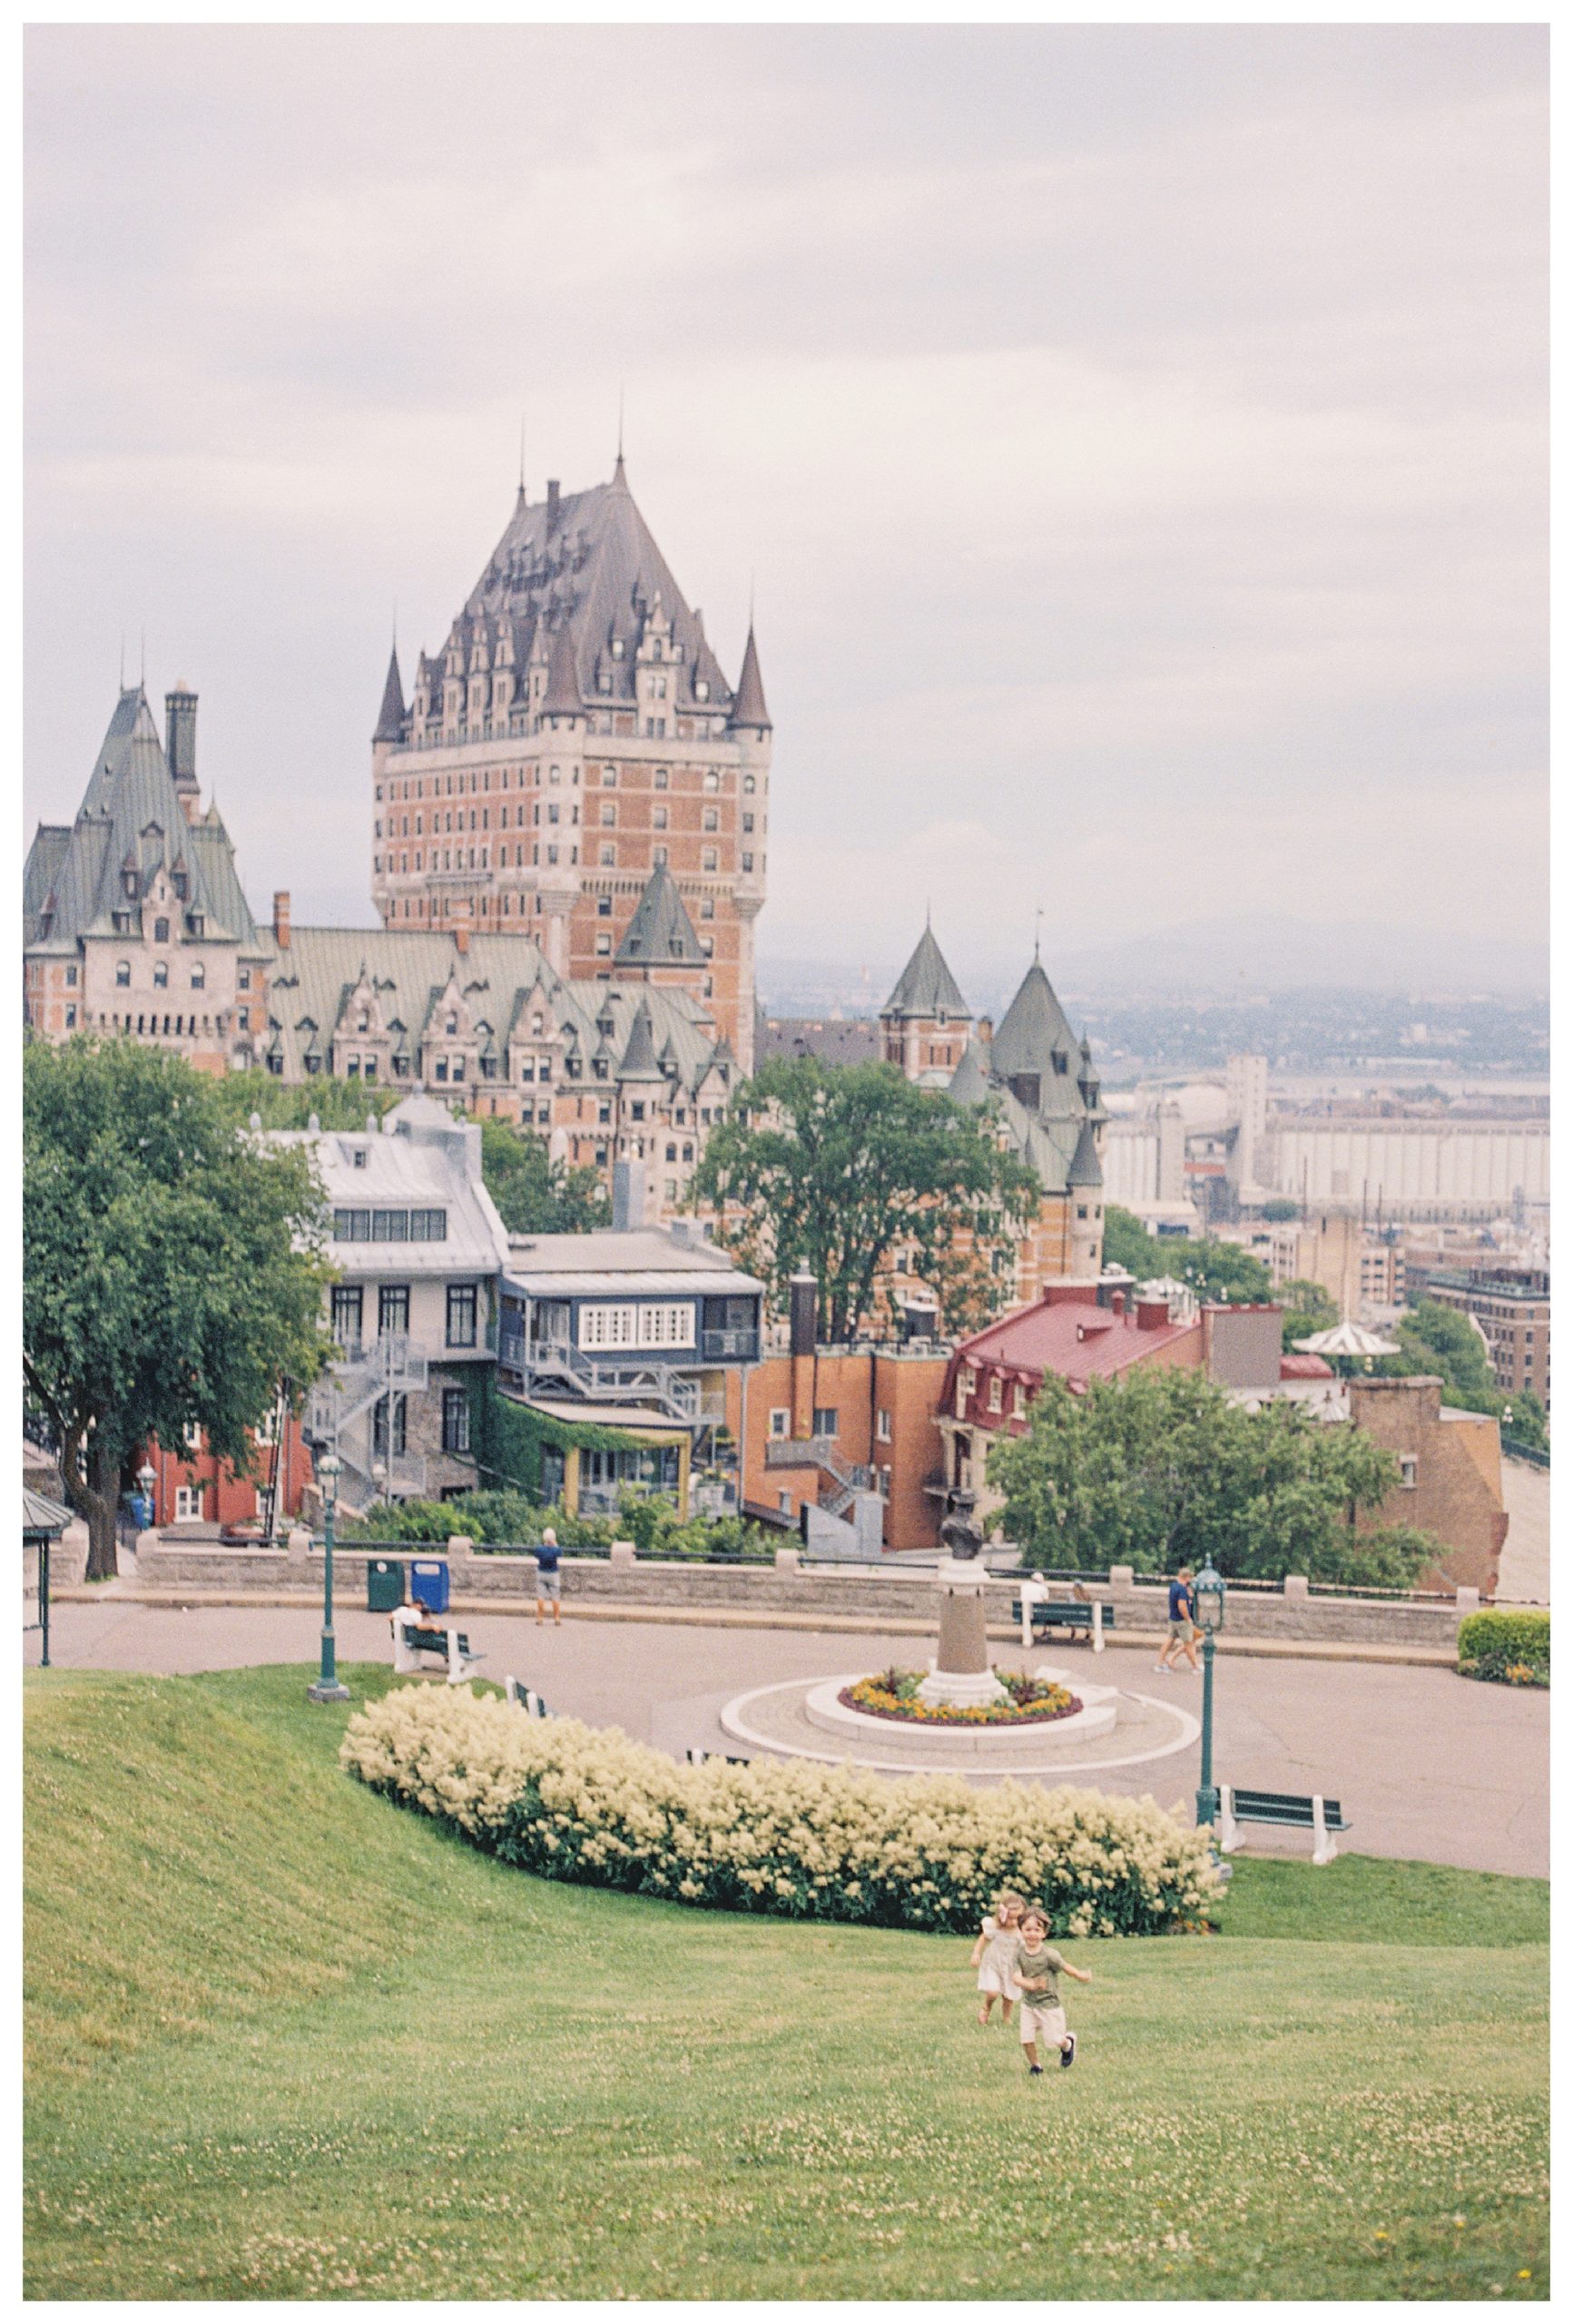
(1307, 1308)
(535, 1195)
(1438, 1340)
(838, 1168)
(1160, 1470)
(289, 1105)
(173, 1267)
(1214, 1269)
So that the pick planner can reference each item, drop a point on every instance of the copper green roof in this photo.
(660, 934)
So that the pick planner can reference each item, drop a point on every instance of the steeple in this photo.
(391, 717)
(748, 703)
(660, 935)
(640, 1062)
(926, 987)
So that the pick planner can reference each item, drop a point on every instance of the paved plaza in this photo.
(1427, 1765)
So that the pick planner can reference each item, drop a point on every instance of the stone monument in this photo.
(960, 1677)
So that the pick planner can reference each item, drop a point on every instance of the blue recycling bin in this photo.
(428, 1583)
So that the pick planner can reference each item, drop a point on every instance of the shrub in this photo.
(1513, 1649)
(576, 1803)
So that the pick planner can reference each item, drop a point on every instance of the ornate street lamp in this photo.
(147, 1478)
(328, 1689)
(1207, 1595)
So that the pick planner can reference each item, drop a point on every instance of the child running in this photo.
(993, 1954)
(1037, 1969)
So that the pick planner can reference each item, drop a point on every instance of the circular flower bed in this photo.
(893, 1694)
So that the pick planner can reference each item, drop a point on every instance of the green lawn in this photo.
(287, 2041)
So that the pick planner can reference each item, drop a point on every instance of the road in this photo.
(1427, 1765)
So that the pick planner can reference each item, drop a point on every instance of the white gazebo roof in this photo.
(1348, 1339)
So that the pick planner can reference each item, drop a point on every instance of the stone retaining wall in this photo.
(789, 1587)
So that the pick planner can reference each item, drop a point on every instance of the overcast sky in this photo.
(1136, 437)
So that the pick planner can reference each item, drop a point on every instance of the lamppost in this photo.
(147, 1478)
(1207, 1595)
(328, 1689)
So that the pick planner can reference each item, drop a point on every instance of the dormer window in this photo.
(702, 689)
(197, 923)
(160, 931)
(179, 882)
(1061, 1062)
(453, 1025)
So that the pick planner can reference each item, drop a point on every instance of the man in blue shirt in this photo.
(1181, 1635)
(548, 1581)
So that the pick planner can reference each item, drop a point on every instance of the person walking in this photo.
(1182, 1624)
(548, 1581)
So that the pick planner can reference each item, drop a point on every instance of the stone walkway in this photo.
(1427, 1765)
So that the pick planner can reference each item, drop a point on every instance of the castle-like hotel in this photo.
(570, 831)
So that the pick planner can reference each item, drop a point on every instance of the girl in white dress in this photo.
(993, 1954)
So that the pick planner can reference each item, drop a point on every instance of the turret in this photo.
(391, 717)
(748, 705)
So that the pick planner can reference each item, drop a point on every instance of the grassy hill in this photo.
(286, 2041)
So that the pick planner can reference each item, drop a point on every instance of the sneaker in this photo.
(1067, 2055)
(1035, 2069)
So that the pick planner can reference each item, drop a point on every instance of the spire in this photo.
(391, 717)
(660, 935)
(748, 703)
(564, 699)
(619, 474)
(926, 987)
(1086, 1170)
(639, 1061)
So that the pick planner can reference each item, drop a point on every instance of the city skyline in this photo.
(1134, 439)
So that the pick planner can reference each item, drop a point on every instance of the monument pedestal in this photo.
(961, 1679)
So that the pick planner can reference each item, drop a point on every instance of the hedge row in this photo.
(578, 1803)
(1515, 1649)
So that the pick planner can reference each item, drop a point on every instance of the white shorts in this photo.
(991, 1980)
(548, 1585)
(1045, 2025)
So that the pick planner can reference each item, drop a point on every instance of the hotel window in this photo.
(883, 1425)
(1407, 1472)
(608, 815)
(461, 1315)
(160, 931)
(712, 819)
(346, 1314)
(661, 778)
(199, 977)
(747, 863)
(659, 818)
(709, 860)
(454, 1421)
(609, 778)
(781, 1423)
(1018, 1402)
(161, 973)
(608, 855)
(123, 972)
(604, 944)
(707, 908)
(712, 781)
(748, 785)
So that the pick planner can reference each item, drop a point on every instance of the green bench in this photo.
(524, 1698)
(460, 1657)
(1048, 1614)
(696, 1757)
(1292, 1811)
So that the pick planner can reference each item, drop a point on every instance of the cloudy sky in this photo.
(1136, 439)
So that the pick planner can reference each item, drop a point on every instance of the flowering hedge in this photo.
(572, 1802)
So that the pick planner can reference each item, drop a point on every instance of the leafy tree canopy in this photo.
(1307, 1308)
(1214, 1270)
(336, 1104)
(535, 1195)
(1278, 1209)
(1162, 1470)
(836, 1168)
(173, 1270)
(1438, 1339)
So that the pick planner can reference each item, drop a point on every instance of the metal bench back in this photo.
(1284, 1807)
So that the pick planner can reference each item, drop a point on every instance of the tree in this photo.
(1278, 1210)
(173, 1268)
(1307, 1308)
(535, 1195)
(1161, 1470)
(336, 1104)
(1438, 1340)
(838, 1168)
(1214, 1270)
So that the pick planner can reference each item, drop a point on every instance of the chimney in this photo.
(181, 737)
(985, 1028)
(627, 1194)
(554, 491)
(1118, 1302)
(1152, 1314)
(805, 1303)
(281, 919)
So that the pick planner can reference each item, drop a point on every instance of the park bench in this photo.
(696, 1757)
(410, 1638)
(525, 1699)
(1293, 1811)
(1040, 1616)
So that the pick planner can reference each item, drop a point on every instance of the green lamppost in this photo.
(1208, 1597)
(328, 1689)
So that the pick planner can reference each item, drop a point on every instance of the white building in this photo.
(418, 1247)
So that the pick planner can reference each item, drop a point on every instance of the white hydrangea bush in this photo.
(572, 1802)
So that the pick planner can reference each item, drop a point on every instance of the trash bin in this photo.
(428, 1583)
(384, 1585)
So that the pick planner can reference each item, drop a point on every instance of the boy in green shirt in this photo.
(1037, 1970)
